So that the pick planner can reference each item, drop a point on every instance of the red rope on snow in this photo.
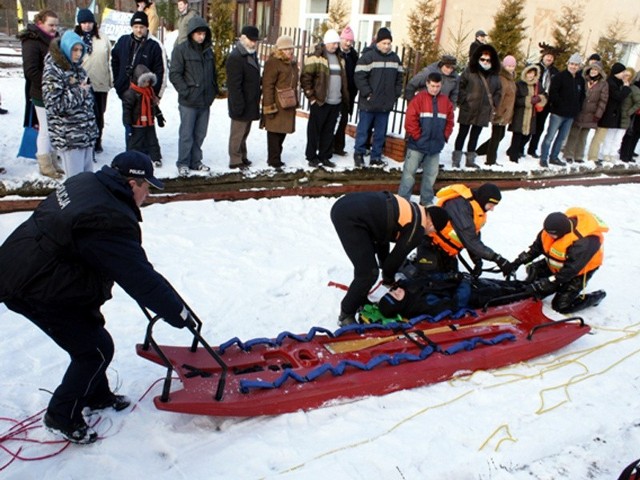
(19, 432)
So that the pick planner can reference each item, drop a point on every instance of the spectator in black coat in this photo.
(134, 49)
(58, 269)
(244, 89)
(193, 74)
(350, 56)
(36, 39)
(566, 94)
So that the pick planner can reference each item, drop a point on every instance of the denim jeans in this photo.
(377, 120)
(430, 166)
(194, 123)
(557, 125)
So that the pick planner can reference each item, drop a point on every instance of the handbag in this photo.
(28, 144)
(287, 97)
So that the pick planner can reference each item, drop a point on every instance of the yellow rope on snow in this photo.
(508, 437)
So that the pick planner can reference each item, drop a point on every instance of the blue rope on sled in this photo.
(396, 359)
(356, 328)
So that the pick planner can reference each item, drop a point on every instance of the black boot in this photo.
(589, 300)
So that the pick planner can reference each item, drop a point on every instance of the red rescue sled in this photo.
(298, 372)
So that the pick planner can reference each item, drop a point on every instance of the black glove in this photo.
(542, 287)
(184, 319)
(504, 265)
(160, 119)
(477, 269)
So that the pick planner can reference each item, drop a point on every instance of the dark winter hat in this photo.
(389, 306)
(439, 217)
(251, 32)
(136, 165)
(383, 34)
(140, 18)
(85, 15)
(617, 68)
(487, 193)
(481, 33)
(448, 60)
(595, 56)
(557, 223)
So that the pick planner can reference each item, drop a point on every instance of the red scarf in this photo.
(146, 108)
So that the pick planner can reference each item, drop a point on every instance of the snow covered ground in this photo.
(258, 267)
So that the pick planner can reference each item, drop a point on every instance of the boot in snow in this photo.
(456, 157)
(55, 161)
(46, 166)
(470, 162)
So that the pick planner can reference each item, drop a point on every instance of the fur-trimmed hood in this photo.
(141, 74)
(595, 66)
(474, 66)
(528, 68)
(57, 56)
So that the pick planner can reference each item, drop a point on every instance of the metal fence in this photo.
(304, 44)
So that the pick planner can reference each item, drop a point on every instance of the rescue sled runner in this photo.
(293, 372)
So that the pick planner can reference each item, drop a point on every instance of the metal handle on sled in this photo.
(555, 322)
(197, 338)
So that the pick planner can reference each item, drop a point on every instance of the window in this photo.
(377, 7)
(317, 6)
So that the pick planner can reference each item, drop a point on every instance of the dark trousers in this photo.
(339, 138)
(463, 131)
(490, 147)
(630, 140)
(320, 129)
(274, 148)
(567, 294)
(518, 141)
(541, 118)
(82, 335)
(358, 244)
(144, 139)
(99, 107)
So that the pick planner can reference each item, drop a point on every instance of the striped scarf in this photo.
(146, 107)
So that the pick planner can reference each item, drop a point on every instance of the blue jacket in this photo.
(79, 241)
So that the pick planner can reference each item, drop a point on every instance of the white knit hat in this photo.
(331, 36)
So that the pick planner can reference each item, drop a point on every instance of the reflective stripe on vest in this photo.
(587, 224)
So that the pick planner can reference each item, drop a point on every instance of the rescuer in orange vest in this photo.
(367, 223)
(572, 245)
(468, 209)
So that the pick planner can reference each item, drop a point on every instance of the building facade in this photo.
(460, 19)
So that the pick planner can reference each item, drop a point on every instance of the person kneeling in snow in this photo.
(58, 269)
(572, 244)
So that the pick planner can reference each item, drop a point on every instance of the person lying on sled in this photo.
(451, 292)
(432, 284)
(572, 243)
(366, 223)
(468, 209)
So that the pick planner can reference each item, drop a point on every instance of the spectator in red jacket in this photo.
(429, 123)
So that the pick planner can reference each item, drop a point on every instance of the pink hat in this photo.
(347, 34)
(509, 61)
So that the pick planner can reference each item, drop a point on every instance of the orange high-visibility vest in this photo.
(587, 224)
(448, 239)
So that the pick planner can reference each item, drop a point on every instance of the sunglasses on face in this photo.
(485, 60)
